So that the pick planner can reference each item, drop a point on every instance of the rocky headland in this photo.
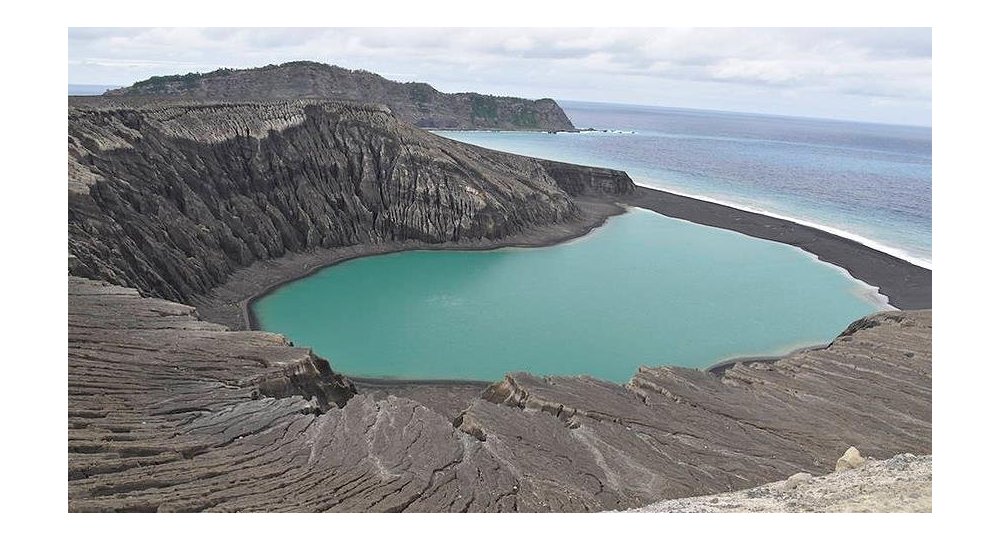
(416, 103)
(174, 203)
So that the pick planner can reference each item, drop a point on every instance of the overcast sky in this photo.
(868, 74)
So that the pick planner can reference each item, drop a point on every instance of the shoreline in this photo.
(870, 243)
(720, 367)
(905, 285)
(231, 303)
(650, 183)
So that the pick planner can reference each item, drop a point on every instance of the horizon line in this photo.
(657, 106)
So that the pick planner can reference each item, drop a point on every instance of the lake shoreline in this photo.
(906, 285)
(231, 303)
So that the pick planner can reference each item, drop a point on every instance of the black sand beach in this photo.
(231, 303)
(907, 286)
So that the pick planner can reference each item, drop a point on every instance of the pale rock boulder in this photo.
(797, 479)
(852, 459)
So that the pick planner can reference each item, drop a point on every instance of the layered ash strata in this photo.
(419, 104)
(901, 484)
(170, 413)
(173, 197)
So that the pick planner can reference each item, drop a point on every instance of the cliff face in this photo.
(579, 180)
(416, 103)
(172, 197)
(170, 413)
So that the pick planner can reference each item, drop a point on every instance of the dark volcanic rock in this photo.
(419, 104)
(577, 180)
(906, 285)
(171, 198)
(169, 413)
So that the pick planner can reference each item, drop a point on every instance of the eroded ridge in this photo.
(172, 197)
(171, 413)
(685, 432)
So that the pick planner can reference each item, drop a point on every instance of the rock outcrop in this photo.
(168, 412)
(851, 459)
(419, 104)
(171, 413)
(901, 484)
(582, 181)
(172, 197)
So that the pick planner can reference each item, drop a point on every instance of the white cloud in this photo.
(764, 71)
(712, 68)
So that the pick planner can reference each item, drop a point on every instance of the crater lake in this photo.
(643, 289)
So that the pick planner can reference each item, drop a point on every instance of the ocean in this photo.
(643, 289)
(867, 182)
(89, 90)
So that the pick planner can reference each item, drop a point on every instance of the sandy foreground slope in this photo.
(898, 484)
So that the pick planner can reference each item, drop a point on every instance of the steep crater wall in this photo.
(172, 197)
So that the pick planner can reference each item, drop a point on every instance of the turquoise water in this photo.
(868, 182)
(641, 290)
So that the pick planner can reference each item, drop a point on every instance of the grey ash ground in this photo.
(169, 413)
(177, 203)
(898, 484)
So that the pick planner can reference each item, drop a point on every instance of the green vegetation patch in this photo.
(484, 107)
(420, 92)
(163, 82)
(525, 118)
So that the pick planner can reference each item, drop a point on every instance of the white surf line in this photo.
(862, 289)
(873, 244)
